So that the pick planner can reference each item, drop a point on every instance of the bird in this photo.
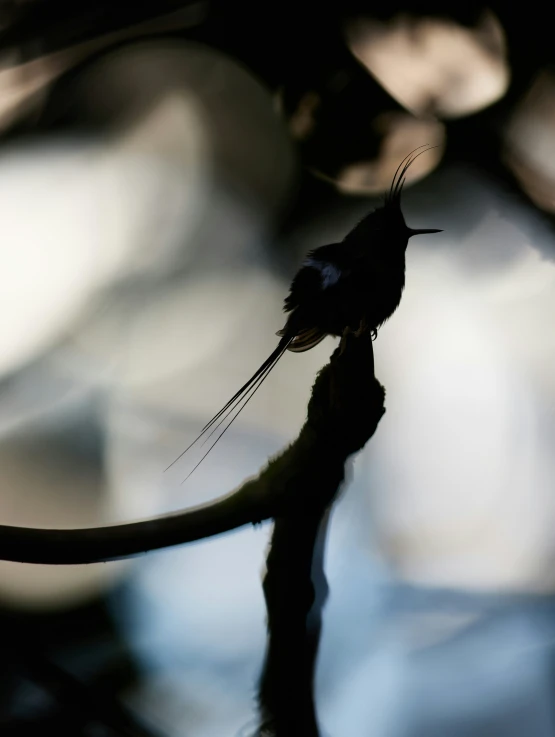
(353, 286)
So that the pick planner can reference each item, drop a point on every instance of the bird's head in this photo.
(386, 225)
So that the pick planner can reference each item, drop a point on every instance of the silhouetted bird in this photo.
(355, 285)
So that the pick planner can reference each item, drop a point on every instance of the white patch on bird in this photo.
(330, 273)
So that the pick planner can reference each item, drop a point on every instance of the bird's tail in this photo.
(238, 401)
(304, 339)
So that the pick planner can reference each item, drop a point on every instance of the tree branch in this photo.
(343, 412)
(296, 488)
(346, 406)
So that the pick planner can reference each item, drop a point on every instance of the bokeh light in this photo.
(433, 65)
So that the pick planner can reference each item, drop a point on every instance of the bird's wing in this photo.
(305, 287)
(318, 272)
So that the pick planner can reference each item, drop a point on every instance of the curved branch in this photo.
(344, 410)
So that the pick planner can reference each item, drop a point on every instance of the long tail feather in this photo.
(252, 388)
(250, 394)
(263, 371)
(279, 351)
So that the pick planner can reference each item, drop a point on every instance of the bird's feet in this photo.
(361, 328)
(343, 342)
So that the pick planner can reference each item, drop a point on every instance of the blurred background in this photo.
(164, 167)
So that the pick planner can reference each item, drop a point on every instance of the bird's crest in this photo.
(393, 197)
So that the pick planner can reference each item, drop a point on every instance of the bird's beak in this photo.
(422, 231)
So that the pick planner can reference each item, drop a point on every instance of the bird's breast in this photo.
(378, 292)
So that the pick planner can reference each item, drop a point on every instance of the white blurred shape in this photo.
(434, 66)
(249, 149)
(530, 141)
(153, 179)
(465, 500)
(47, 252)
(401, 134)
(76, 217)
(80, 215)
(225, 165)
